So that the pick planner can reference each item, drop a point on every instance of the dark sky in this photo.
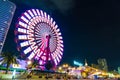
(90, 28)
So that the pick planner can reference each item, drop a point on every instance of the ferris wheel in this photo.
(38, 37)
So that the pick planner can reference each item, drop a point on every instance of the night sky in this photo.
(90, 28)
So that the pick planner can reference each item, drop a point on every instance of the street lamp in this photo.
(29, 62)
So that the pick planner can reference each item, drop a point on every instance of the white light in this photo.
(60, 45)
(51, 20)
(55, 61)
(29, 62)
(40, 62)
(48, 17)
(24, 19)
(45, 14)
(58, 30)
(38, 12)
(38, 52)
(59, 33)
(54, 24)
(27, 15)
(53, 56)
(22, 24)
(25, 43)
(60, 37)
(35, 20)
(59, 41)
(34, 12)
(31, 56)
(27, 50)
(57, 57)
(41, 13)
(61, 49)
(61, 53)
(32, 23)
(22, 37)
(14, 73)
(29, 11)
(21, 30)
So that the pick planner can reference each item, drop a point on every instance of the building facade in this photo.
(7, 10)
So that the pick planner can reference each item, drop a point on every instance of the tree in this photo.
(8, 59)
(119, 70)
(103, 64)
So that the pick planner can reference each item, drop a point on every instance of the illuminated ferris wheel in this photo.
(38, 37)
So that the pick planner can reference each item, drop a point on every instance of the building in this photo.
(7, 10)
